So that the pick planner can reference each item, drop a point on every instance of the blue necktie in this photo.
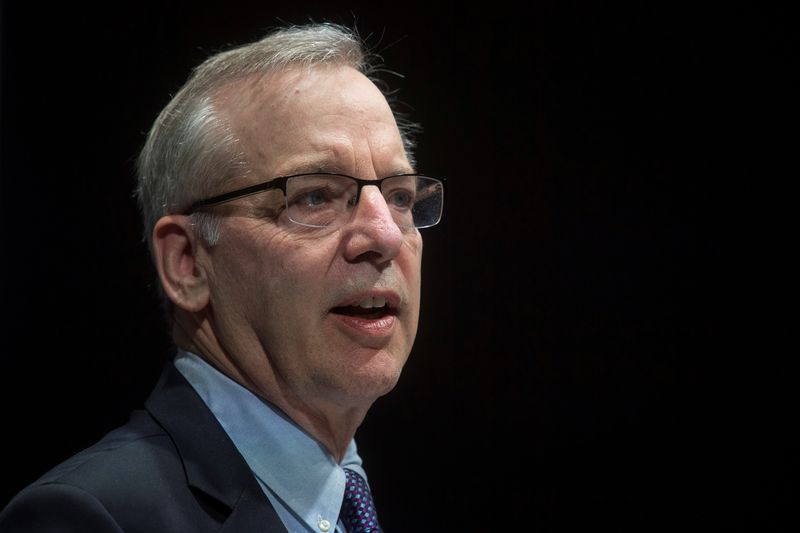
(358, 511)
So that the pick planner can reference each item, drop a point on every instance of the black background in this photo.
(594, 350)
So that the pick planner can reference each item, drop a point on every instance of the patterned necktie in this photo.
(358, 511)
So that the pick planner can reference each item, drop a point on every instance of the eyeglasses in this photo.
(323, 199)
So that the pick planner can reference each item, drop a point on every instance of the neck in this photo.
(333, 425)
(333, 428)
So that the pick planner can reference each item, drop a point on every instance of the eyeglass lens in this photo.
(327, 200)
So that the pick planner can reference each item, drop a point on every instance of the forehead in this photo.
(302, 118)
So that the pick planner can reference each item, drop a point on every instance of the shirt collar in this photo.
(290, 462)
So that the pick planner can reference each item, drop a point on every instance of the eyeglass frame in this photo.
(280, 183)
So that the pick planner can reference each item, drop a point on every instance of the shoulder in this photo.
(120, 458)
(132, 467)
(56, 507)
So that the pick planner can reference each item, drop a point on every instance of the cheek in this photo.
(256, 270)
(294, 275)
(281, 294)
(412, 263)
(298, 264)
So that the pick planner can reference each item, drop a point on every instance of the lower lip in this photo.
(368, 327)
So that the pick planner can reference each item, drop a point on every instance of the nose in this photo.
(372, 233)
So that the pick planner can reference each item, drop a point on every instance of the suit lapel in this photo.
(213, 464)
(253, 512)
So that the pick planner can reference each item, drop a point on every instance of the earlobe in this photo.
(176, 249)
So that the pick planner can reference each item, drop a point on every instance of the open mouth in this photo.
(374, 307)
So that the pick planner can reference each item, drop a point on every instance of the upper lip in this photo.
(391, 298)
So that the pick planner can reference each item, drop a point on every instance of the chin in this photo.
(386, 386)
(362, 376)
(374, 381)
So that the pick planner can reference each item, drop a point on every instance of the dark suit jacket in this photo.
(171, 468)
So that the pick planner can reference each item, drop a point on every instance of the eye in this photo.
(312, 198)
(400, 198)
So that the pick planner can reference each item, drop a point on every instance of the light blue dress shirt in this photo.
(299, 477)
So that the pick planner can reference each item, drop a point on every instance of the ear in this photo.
(176, 250)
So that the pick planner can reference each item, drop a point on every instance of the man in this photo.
(293, 294)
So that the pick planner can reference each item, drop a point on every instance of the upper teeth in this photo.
(372, 301)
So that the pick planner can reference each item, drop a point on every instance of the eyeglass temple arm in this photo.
(221, 198)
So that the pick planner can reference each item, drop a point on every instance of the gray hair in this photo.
(190, 148)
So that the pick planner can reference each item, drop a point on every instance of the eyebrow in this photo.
(334, 168)
(321, 166)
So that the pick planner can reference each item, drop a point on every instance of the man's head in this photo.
(314, 318)
(190, 151)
